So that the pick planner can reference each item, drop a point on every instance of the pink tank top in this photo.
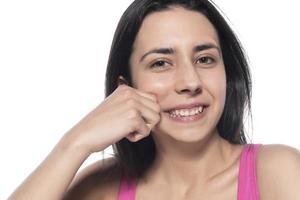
(247, 185)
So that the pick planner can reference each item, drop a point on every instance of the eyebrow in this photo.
(198, 48)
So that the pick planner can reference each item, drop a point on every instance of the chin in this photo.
(189, 135)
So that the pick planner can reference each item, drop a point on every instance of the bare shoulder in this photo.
(99, 180)
(278, 172)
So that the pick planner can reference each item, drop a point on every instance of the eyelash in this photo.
(154, 65)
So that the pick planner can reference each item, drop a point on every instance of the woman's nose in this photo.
(188, 80)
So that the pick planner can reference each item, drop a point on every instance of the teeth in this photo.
(201, 109)
(187, 112)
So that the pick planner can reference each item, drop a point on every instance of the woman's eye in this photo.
(158, 64)
(206, 60)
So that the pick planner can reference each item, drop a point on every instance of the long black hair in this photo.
(136, 157)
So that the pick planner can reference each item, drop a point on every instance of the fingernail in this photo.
(121, 81)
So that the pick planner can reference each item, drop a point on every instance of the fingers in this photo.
(122, 81)
(129, 89)
(150, 116)
(145, 108)
(147, 95)
(143, 130)
(155, 107)
(142, 117)
(147, 99)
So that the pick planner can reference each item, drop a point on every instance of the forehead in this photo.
(174, 27)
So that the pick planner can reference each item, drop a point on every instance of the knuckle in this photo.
(148, 131)
(153, 97)
(122, 87)
(128, 92)
(132, 128)
(131, 102)
(134, 125)
(133, 113)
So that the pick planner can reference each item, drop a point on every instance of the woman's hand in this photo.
(127, 112)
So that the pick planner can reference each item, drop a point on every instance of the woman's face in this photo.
(177, 57)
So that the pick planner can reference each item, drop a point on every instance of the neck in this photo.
(181, 165)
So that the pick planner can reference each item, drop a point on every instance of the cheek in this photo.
(157, 85)
(216, 84)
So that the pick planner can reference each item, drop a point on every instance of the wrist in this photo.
(69, 144)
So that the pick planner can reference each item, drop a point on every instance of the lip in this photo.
(186, 106)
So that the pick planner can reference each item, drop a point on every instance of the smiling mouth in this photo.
(187, 115)
(187, 112)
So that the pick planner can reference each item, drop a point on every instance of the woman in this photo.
(177, 88)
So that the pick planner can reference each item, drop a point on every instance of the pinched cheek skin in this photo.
(157, 88)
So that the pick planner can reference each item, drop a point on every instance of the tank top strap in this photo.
(127, 188)
(247, 181)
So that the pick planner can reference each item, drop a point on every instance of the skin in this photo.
(189, 155)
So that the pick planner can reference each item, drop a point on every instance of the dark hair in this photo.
(136, 157)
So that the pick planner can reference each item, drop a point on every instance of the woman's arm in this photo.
(127, 112)
(52, 177)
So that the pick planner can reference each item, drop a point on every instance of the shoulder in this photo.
(278, 171)
(99, 180)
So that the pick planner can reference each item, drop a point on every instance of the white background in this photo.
(53, 57)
